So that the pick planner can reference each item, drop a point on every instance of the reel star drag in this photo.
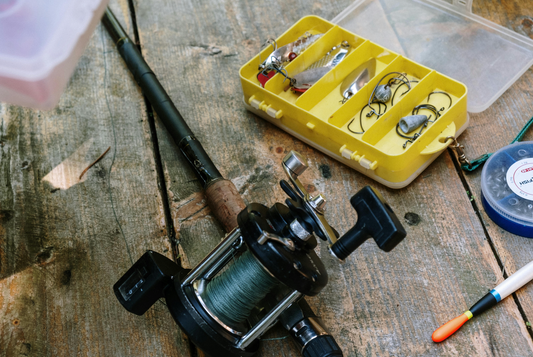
(260, 272)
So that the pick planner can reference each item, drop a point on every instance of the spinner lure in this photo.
(281, 56)
(304, 80)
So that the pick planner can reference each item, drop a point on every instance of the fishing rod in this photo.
(224, 200)
(222, 195)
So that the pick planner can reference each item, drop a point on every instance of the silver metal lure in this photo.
(287, 53)
(304, 80)
(357, 79)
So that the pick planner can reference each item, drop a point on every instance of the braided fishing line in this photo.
(232, 295)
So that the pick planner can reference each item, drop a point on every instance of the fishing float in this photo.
(509, 286)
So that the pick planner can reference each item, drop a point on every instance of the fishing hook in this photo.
(401, 95)
(415, 111)
(388, 85)
(274, 45)
(446, 94)
(361, 118)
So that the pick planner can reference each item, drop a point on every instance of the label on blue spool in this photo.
(507, 188)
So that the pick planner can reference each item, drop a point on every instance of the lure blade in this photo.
(358, 78)
(333, 57)
(304, 80)
(263, 78)
(290, 51)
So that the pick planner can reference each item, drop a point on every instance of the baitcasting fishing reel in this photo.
(260, 272)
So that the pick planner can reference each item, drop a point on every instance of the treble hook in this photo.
(274, 44)
(278, 68)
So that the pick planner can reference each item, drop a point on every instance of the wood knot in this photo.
(6, 215)
(524, 26)
(44, 256)
(16, 322)
(412, 219)
(65, 277)
(325, 171)
(527, 22)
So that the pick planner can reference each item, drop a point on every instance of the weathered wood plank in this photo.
(495, 128)
(376, 304)
(61, 248)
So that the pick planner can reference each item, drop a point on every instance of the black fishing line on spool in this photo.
(232, 295)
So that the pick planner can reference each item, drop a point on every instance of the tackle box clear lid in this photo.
(446, 36)
(42, 41)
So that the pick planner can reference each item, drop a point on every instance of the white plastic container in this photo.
(507, 188)
(41, 42)
(446, 36)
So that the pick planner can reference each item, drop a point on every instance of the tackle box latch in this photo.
(361, 159)
(267, 108)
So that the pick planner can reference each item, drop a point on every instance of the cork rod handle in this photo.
(225, 202)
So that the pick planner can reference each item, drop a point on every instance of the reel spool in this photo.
(260, 272)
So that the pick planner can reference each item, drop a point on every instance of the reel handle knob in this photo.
(375, 219)
(295, 162)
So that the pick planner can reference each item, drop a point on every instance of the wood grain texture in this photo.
(61, 249)
(497, 127)
(376, 304)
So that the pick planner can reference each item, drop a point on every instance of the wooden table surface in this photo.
(64, 242)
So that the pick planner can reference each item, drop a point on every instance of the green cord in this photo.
(233, 294)
(474, 164)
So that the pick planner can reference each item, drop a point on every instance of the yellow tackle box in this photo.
(422, 38)
(319, 118)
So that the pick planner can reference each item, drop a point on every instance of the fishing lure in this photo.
(281, 56)
(304, 80)
(357, 79)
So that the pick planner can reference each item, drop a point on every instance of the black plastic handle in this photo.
(144, 282)
(375, 219)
